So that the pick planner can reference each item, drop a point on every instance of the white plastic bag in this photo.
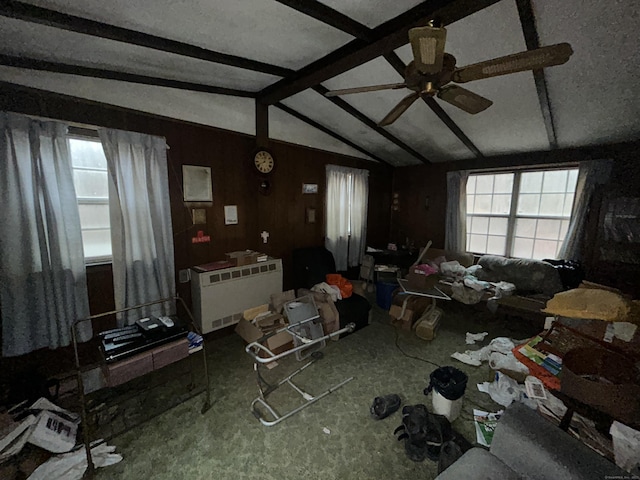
(626, 446)
(71, 466)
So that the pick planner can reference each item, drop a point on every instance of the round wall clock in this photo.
(263, 161)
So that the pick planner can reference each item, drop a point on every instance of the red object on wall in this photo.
(201, 238)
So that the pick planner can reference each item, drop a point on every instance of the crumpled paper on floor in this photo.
(472, 338)
(504, 391)
(497, 353)
(626, 446)
(71, 466)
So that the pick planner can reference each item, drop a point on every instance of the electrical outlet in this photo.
(184, 275)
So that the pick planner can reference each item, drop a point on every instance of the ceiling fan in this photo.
(433, 71)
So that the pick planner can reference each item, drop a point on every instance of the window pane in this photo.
(470, 199)
(572, 180)
(480, 225)
(97, 243)
(496, 245)
(478, 243)
(482, 204)
(568, 204)
(91, 184)
(501, 204)
(526, 227)
(94, 216)
(87, 153)
(548, 229)
(544, 249)
(484, 183)
(498, 226)
(531, 182)
(471, 184)
(528, 204)
(555, 181)
(522, 247)
(551, 204)
(503, 183)
(564, 227)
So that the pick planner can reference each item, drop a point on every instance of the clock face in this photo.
(263, 161)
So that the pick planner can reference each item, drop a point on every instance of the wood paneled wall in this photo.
(282, 213)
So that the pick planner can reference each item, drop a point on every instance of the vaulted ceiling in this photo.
(225, 62)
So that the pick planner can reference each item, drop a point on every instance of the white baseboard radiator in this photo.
(221, 296)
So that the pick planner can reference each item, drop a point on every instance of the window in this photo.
(520, 214)
(90, 180)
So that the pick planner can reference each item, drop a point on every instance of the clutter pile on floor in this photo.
(52, 429)
(429, 435)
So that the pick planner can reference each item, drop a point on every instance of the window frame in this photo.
(513, 215)
(90, 136)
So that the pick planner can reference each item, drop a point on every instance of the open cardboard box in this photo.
(265, 324)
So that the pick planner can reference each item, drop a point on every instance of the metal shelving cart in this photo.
(88, 444)
(308, 336)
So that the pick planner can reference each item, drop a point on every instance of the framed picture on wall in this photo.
(196, 184)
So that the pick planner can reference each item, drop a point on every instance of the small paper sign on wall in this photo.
(230, 214)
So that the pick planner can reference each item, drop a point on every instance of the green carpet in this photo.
(228, 442)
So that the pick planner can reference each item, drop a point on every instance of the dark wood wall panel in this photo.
(282, 213)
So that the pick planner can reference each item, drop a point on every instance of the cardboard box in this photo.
(422, 282)
(243, 257)
(250, 332)
(405, 322)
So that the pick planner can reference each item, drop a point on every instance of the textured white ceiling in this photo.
(594, 96)
(514, 122)
(20, 38)
(318, 108)
(419, 127)
(262, 30)
(231, 113)
(283, 126)
(371, 12)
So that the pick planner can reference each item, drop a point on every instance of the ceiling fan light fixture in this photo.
(428, 44)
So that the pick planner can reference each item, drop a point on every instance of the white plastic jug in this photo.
(448, 408)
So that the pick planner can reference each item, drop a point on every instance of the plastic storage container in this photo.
(384, 294)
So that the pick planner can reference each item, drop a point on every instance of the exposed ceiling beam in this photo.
(528, 22)
(328, 15)
(329, 132)
(386, 37)
(44, 16)
(340, 21)
(399, 66)
(550, 157)
(34, 64)
(370, 123)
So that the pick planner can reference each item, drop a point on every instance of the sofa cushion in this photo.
(539, 450)
(526, 274)
(478, 464)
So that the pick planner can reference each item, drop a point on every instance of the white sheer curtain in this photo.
(456, 216)
(141, 233)
(590, 174)
(43, 286)
(346, 215)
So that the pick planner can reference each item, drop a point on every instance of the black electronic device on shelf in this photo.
(145, 334)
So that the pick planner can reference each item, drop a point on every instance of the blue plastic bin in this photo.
(384, 294)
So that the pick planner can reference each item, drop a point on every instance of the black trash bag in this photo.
(423, 433)
(571, 272)
(447, 381)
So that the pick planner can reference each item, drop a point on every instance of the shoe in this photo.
(382, 407)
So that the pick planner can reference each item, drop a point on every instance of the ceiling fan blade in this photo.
(399, 109)
(372, 88)
(464, 99)
(518, 62)
(427, 44)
